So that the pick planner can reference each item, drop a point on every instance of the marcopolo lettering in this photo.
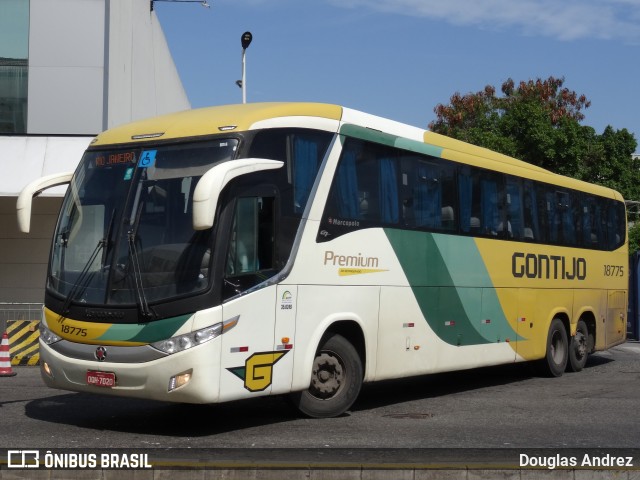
(91, 314)
(551, 267)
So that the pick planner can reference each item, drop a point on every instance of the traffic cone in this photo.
(5, 359)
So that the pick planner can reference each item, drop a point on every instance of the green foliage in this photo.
(634, 238)
(538, 121)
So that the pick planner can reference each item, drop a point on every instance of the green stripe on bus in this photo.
(377, 136)
(452, 287)
(147, 332)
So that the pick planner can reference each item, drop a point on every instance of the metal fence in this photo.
(18, 311)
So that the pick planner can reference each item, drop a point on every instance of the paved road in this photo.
(503, 407)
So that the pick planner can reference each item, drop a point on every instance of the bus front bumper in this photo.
(190, 376)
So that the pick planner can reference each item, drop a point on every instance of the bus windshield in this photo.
(125, 233)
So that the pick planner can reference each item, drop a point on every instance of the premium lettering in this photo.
(550, 267)
(331, 258)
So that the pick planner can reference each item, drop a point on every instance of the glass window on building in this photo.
(14, 54)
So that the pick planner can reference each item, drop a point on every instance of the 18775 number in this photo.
(614, 270)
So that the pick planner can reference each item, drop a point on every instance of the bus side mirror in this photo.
(207, 192)
(25, 199)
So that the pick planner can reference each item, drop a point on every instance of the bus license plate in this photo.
(101, 379)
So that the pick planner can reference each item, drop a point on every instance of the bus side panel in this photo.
(532, 325)
(321, 306)
(406, 343)
(498, 322)
(537, 309)
(616, 330)
(285, 337)
(467, 337)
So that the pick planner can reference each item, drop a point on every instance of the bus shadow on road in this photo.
(440, 385)
(147, 417)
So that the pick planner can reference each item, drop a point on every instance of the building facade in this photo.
(69, 69)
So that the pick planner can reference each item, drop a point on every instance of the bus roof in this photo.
(243, 117)
(212, 120)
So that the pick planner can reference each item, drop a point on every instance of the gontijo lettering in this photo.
(554, 267)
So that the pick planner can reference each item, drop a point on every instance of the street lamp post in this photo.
(246, 41)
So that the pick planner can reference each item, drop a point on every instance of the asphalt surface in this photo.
(485, 415)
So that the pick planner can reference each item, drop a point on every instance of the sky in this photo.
(400, 58)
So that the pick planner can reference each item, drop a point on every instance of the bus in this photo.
(236, 251)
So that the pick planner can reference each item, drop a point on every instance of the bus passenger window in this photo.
(566, 218)
(531, 230)
(365, 189)
(515, 210)
(432, 196)
(302, 150)
(615, 224)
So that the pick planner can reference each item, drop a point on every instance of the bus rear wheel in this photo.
(579, 348)
(555, 361)
(336, 379)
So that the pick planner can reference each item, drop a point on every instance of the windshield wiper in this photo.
(107, 237)
(84, 279)
(141, 299)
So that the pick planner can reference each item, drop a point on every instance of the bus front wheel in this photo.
(578, 348)
(555, 361)
(336, 379)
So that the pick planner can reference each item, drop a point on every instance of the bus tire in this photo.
(336, 379)
(579, 348)
(555, 361)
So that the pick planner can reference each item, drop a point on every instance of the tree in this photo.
(634, 238)
(538, 121)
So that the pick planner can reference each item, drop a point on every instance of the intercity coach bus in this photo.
(261, 249)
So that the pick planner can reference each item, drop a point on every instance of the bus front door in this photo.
(250, 358)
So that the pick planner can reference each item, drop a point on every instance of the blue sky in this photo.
(400, 58)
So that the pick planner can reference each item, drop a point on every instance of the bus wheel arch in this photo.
(557, 350)
(352, 332)
(590, 320)
(337, 372)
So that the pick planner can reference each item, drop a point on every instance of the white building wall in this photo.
(142, 77)
(93, 64)
(25, 159)
(66, 66)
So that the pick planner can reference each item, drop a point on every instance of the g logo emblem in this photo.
(258, 370)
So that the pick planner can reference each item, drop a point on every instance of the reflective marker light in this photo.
(47, 336)
(180, 380)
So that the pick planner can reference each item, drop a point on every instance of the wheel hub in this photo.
(327, 375)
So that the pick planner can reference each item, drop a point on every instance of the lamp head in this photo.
(246, 40)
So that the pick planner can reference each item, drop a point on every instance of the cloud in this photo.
(561, 19)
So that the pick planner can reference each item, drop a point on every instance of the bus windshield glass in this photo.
(125, 233)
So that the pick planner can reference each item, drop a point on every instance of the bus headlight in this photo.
(186, 341)
(47, 336)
